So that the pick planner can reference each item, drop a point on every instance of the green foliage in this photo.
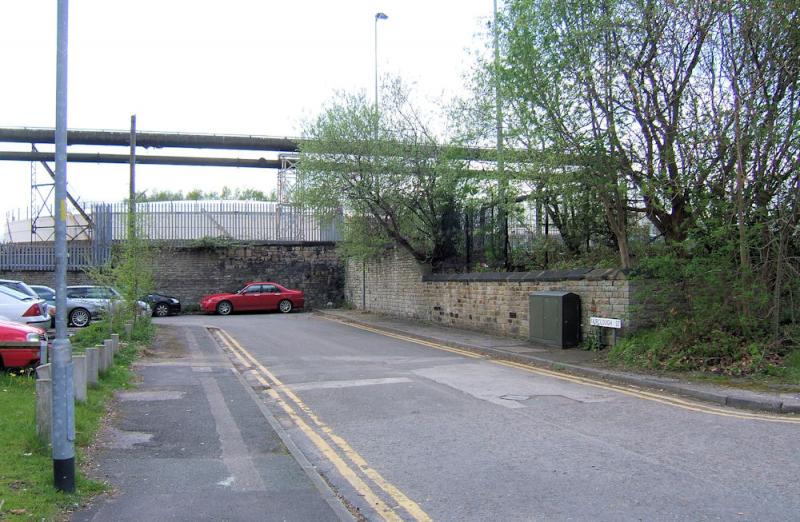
(26, 477)
(679, 347)
(682, 116)
(389, 171)
(236, 194)
(130, 272)
(94, 334)
(593, 343)
(211, 243)
(709, 317)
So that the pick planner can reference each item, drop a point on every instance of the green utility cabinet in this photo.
(554, 318)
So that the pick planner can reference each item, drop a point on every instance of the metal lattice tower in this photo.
(43, 208)
(42, 223)
(289, 217)
(287, 178)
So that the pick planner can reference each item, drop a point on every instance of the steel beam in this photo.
(152, 139)
(83, 157)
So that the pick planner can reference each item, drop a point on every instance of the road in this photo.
(415, 431)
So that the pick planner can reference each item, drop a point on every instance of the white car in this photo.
(23, 308)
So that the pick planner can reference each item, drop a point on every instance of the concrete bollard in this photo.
(79, 377)
(109, 344)
(115, 341)
(102, 359)
(43, 371)
(92, 366)
(44, 409)
(43, 352)
(128, 330)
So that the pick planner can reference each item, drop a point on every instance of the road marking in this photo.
(641, 394)
(327, 385)
(393, 335)
(235, 455)
(272, 385)
(151, 395)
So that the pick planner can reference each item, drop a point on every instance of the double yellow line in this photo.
(344, 458)
(641, 394)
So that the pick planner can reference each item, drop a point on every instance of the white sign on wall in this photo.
(605, 322)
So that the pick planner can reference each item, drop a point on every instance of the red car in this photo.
(19, 344)
(255, 295)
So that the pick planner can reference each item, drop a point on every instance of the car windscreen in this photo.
(44, 292)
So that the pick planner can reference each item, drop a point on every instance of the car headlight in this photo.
(174, 301)
(33, 337)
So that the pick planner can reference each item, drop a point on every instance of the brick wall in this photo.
(188, 273)
(490, 302)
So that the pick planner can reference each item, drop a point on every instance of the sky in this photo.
(255, 67)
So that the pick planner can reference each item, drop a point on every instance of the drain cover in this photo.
(512, 397)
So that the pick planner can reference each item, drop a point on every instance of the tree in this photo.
(391, 173)
(237, 194)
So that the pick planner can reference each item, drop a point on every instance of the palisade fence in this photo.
(237, 220)
(179, 221)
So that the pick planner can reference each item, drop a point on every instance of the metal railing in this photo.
(42, 256)
(237, 220)
(180, 221)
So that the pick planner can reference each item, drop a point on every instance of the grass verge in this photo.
(720, 360)
(26, 469)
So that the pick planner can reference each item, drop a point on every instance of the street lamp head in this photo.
(380, 16)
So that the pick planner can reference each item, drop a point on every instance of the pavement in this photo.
(573, 361)
(193, 441)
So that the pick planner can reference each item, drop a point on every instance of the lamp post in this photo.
(501, 176)
(378, 16)
(63, 431)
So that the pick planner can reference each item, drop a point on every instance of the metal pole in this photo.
(63, 393)
(502, 181)
(378, 16)
(132, 188)
(132, 248)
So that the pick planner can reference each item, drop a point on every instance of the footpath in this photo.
(193, 442)
(573, 361)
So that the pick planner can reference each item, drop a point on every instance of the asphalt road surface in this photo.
(405, 430)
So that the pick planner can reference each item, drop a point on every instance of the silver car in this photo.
(104, 297)
(79, 311)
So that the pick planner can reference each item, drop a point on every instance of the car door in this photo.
(270, 298)
(249, 298)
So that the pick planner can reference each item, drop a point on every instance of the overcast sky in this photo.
(236, 67)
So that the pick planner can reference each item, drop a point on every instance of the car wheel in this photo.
(285, 306)
(161, 310)
(79, 317)
(224, 308)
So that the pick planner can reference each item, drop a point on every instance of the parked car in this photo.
(23, 308)
(21, 286)
(104, 297)
(162, 305)
(255, 295)
(79, 311)
(19, 344)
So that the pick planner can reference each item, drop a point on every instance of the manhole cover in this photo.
(512, 397)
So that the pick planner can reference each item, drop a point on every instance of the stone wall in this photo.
(489, 302)
(393, 285)
(188, 272)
